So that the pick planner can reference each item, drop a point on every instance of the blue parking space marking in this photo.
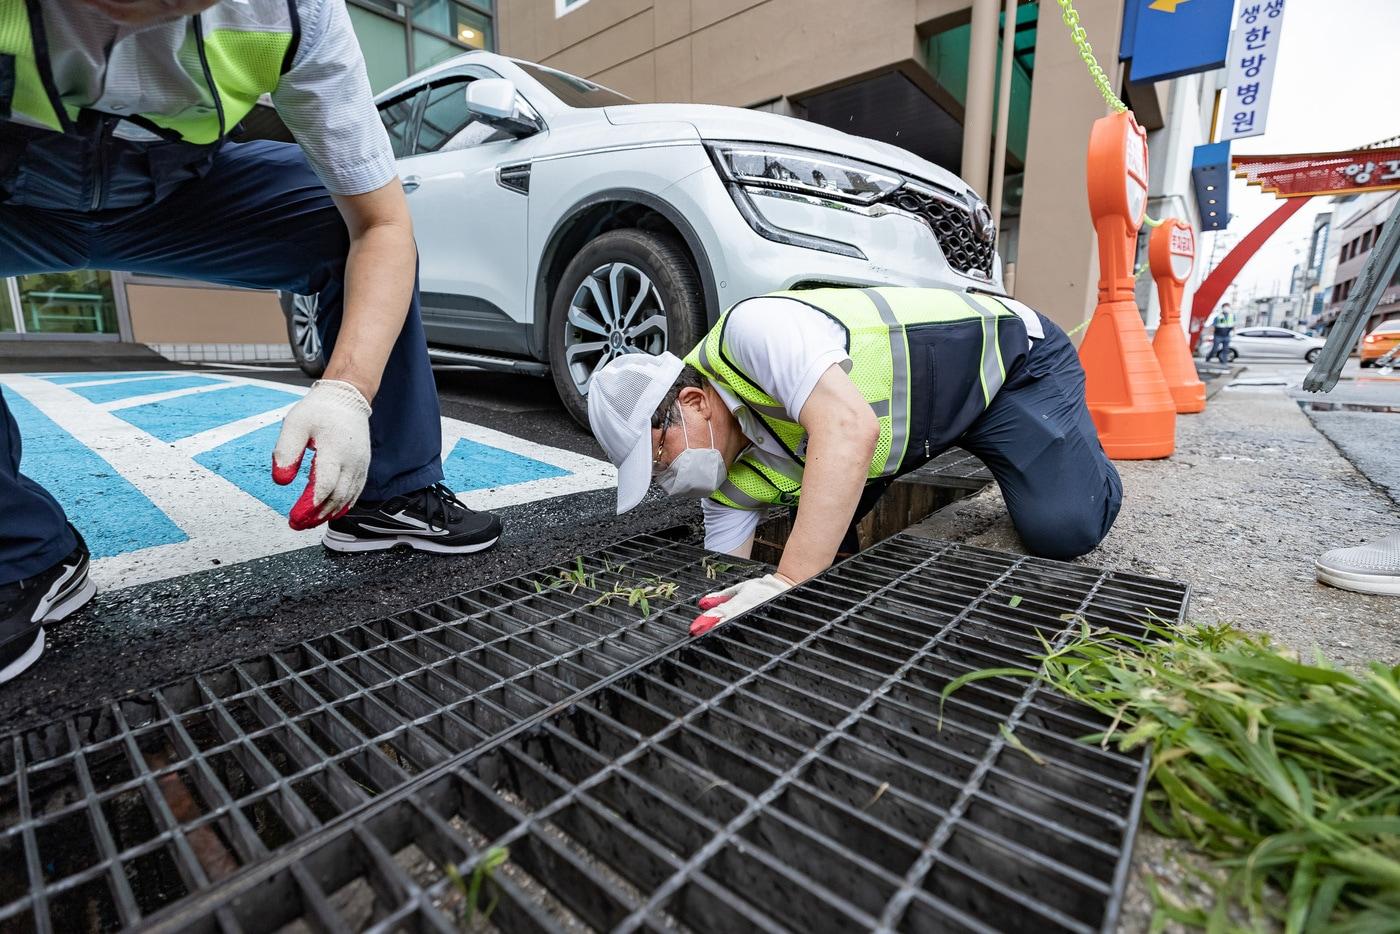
(474, 466)
(246, 462)
(181, 417)
(63, 379)
(165, 487)
(115, 517)
(129, 389)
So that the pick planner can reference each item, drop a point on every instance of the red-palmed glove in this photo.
(728, 603)
(333, 420)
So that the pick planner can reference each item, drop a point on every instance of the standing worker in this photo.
(819, 399)
(113, 154)
(1224, 324)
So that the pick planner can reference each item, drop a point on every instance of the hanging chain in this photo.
(1086, 52)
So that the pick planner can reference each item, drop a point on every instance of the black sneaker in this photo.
(430, 519)
(44, 598)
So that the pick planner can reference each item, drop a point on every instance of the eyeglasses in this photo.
(656, 465)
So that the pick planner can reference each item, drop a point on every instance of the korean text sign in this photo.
(1244, 109)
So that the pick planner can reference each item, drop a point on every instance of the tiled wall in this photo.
(228, 353)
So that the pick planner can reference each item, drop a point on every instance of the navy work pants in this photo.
(255, 216)
(1039, 442)
(1220, 345)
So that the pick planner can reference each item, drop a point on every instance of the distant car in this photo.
(561, 224)
(1276, 343)
(1381, 341)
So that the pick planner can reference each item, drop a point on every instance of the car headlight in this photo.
(804, 171)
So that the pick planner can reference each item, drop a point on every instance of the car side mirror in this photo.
(495, 101)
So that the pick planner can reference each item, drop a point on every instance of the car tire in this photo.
(1232, 355)
(1365, 363)
(652, 274)
(1311, 355)
(303, 332)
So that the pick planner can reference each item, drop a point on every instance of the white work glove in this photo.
(728, 603)
(333, 420)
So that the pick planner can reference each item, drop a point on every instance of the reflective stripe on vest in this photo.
(237, 51)
(875, 322)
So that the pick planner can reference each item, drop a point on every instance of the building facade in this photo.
(1355, 230)
(921, 74)
(198, 321)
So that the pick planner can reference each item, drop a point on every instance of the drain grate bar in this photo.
(953, 468)
(121, 810)
(784, 773)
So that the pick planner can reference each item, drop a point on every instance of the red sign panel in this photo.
(1322, 173)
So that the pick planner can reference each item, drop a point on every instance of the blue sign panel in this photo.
(1179, 37)
(1210, 177)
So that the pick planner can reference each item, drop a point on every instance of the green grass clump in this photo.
(1286, 774)
(482, 880)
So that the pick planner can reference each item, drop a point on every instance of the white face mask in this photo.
(696, 472)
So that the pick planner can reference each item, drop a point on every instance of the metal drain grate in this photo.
(953, 468)
(783, 773)
(110, 815)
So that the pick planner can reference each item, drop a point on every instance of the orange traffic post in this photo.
(1171, 251)
(1127, 395)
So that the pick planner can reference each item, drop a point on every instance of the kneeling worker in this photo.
(820, 398)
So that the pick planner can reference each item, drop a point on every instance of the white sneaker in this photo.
(1373, 568)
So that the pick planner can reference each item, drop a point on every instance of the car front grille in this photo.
(953, 225)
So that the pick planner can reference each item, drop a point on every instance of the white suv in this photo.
(560, 224)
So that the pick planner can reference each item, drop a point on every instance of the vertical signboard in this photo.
(1253, 56)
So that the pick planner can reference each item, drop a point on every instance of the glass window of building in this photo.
(399, 39)
(78, 302)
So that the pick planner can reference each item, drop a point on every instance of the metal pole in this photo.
(1008, 54)
(1381, 268)
(977, 116)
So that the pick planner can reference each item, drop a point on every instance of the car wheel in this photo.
(1232, 355)
(302, 333)
(627, 291)
(1311, 355)
(1365, 363)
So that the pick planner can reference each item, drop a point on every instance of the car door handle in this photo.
(411, 183)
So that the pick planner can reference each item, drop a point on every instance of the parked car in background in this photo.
(1382, 339)
(1276, 343)
(560, 224)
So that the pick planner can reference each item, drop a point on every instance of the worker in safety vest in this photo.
(1224, 324)
(114, 118)
(819, 399)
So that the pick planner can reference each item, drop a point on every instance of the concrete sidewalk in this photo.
(1252, 496)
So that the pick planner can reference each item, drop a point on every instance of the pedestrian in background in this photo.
(1224, 324)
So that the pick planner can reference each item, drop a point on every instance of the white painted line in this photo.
(585, 473)
(149, 398)
(107, 381)
(215, 367)
(195, 445)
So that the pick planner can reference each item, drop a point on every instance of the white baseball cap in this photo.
(621, 400)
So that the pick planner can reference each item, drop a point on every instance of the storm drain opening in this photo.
(949, 477)
(786, 772)
(111, 815)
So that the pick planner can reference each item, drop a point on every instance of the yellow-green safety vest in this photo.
(875, 321)
(238, 51)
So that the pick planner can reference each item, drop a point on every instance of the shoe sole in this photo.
(31, 655)
(1387, 585)
(65, 597)
(349, 544)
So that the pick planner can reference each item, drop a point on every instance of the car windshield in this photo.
(574, 91)
(1387, 327)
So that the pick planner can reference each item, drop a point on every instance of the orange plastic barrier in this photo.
(1127, 395)
(1171, 251)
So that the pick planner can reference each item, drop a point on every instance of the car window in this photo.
(447, 124)
(1388, 326)
(398, 120)
(1275, 332)
(1247, 333)
(573, 90)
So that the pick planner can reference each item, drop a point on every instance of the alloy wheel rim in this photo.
(616, 310)
(304, 333)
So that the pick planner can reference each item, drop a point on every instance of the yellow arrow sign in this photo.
(1166, 6)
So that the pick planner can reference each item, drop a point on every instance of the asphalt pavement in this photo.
(164, 468)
